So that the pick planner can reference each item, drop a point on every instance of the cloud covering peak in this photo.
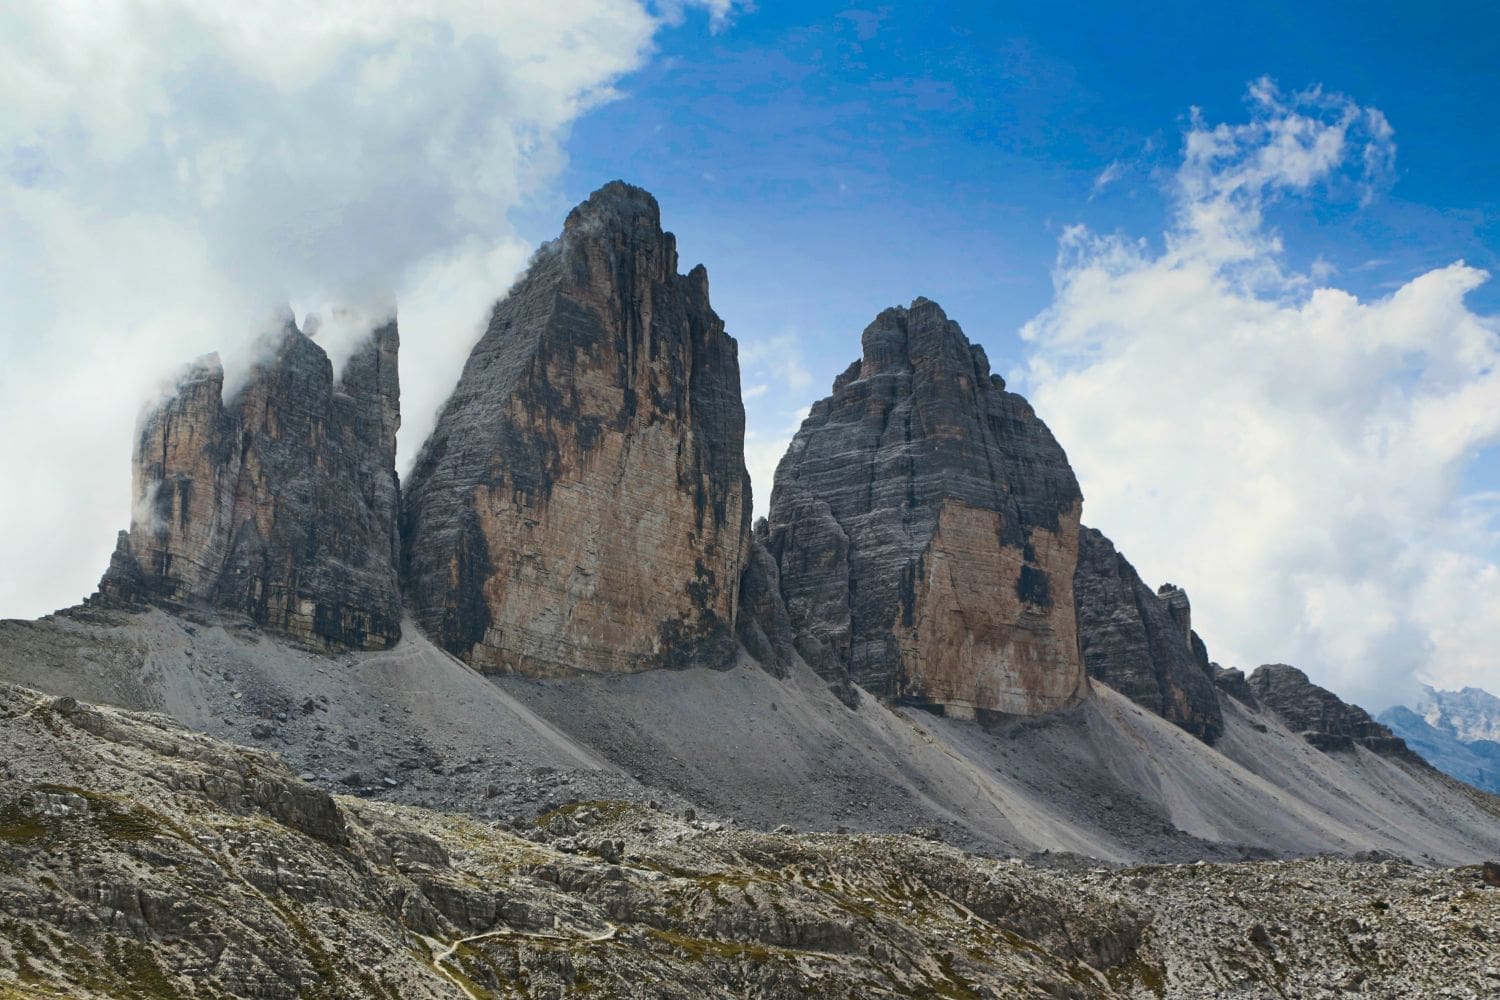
(171, 170)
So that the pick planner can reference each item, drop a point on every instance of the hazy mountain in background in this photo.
(1457, 732)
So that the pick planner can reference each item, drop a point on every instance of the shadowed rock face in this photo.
(925, 524)
(279, 503)
(1142, 643)
(582, 504)
(1322, 717)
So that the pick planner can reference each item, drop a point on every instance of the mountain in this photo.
(925, 526)
(278, 501)
(1457, 732)
(583, 505)
(1470, 714)
(471, 775)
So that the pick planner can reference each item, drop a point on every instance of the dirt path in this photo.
(442, 953)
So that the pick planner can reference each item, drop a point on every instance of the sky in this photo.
(1238, 256)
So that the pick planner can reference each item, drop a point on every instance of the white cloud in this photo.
(766, 442)
(1289, 452)
(1106, 177)
(779, 359)
(171, 171)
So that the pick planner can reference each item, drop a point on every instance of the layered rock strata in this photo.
(1142, 643)
(583, 505)
(925, 525)
(279, 502)
(1323, 718)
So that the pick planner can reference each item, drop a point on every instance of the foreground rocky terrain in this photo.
(140, 859)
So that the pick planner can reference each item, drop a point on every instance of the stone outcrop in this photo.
(925, 524)
(278, 502)
(1142, 643)
(1323, 718)
(764, 628)
(582, 504)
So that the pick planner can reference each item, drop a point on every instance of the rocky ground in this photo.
(414, 726)
(140, 859)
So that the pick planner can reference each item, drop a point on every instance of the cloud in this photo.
(1106, 177)
(1290, 452)
(765, 446)
(172, 171)
(779, 359)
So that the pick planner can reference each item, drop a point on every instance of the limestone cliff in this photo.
(1323, 718)
(279, 502)
(925, 524)
(582, 504)
(1142, 643)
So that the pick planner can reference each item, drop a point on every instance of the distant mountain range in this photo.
(1458, 732)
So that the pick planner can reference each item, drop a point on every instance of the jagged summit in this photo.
(278, 503)
(1322, 717)
(925, 525)
(582, 504)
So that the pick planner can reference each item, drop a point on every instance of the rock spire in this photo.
(278, 502)
(583, 505)
(925, 525)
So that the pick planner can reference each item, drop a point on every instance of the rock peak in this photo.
(1323, 718)
(920, 337)
(925, 526)
(277, 501)
(617, 207)
(582, 504)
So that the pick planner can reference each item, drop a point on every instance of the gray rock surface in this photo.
(925, 524)
(1141, 642)
(278, 502)
(582, 504)
(1322, 717)
(1106, 779)
(139, 859)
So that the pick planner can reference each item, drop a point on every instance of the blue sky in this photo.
(1218, 246)
(853, 158)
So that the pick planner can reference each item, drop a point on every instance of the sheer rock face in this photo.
(764, 628)
(582, 504)
(1322, 717)
(925, 524)
(1142, 643)
(279, 503)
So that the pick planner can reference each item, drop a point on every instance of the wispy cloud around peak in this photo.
(171, 170)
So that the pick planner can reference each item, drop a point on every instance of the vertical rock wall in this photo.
(279, 503)
(583, 505)
(1141, 643)
(925, 525)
